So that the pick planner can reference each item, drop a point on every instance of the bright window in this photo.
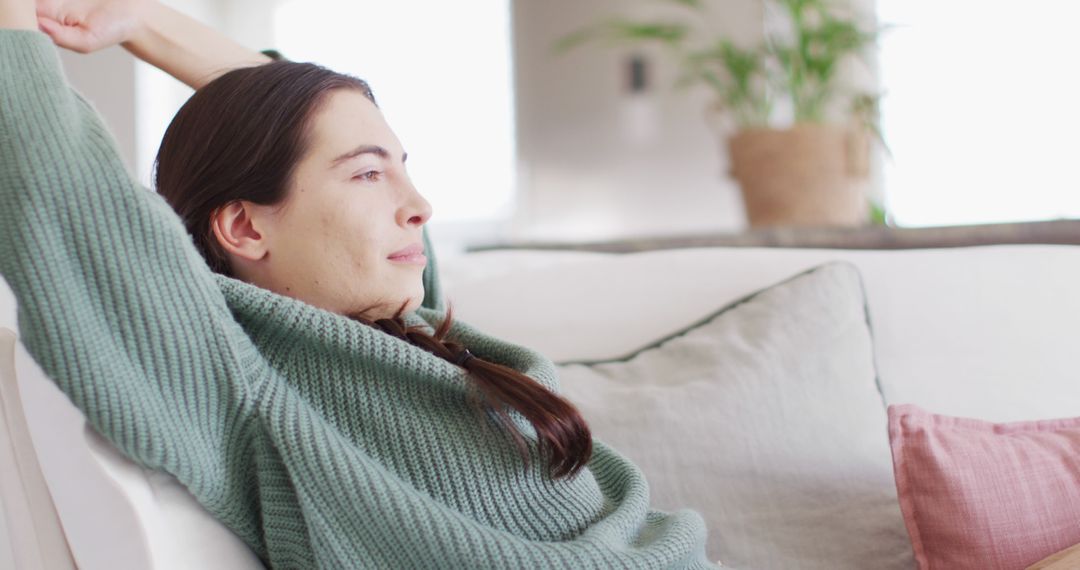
(980, 110)
(441, 73)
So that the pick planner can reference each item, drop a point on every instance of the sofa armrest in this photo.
(1065, 560)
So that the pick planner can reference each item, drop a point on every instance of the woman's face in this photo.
(351, 206)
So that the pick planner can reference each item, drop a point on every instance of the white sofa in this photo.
(986, 332)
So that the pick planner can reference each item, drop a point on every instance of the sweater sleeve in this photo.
(114, 302)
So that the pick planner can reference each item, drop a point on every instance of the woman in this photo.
(265, 328)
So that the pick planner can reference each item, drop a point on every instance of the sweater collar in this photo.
(274, 318)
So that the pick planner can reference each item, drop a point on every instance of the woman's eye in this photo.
(371, 175)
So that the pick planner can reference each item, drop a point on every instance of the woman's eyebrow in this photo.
(366, 149)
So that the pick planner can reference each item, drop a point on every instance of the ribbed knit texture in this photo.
(321, 442)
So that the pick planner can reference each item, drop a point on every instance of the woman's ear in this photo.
(237, 230)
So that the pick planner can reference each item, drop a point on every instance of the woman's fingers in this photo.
(89, 25)
(74, 38)
(59, 11)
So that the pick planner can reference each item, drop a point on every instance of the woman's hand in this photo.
(183, 47)
(89, 25)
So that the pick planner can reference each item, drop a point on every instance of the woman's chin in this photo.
(415, 302)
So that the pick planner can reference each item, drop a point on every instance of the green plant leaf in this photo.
(877, 215)
(865, 108)
(575, 39)
(617, 31)
(664, 32)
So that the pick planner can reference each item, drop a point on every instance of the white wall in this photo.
(589, 168)
(593, 161)
(107, 79)
(586, 171)
(159, 96)
(983, 129)
(137, 100)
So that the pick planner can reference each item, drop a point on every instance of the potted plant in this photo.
(810, 171)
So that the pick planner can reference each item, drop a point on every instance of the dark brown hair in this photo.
(240, 137)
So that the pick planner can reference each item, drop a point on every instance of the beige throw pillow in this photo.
(766, 418)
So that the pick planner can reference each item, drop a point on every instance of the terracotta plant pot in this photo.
(808, 175)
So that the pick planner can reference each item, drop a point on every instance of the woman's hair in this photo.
(240, 137)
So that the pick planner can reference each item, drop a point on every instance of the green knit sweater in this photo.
(321, 442)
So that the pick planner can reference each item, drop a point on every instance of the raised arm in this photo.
(179, 45)
(17, 15)
(114, 301)
(187, 49)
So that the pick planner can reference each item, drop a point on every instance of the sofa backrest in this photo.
(31, 537)
(984, 332)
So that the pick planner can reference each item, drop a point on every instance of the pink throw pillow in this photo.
(976, 494)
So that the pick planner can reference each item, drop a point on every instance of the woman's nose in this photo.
(417, 210)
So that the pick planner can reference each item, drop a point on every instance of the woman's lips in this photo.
(413, 254)
(416, 258)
